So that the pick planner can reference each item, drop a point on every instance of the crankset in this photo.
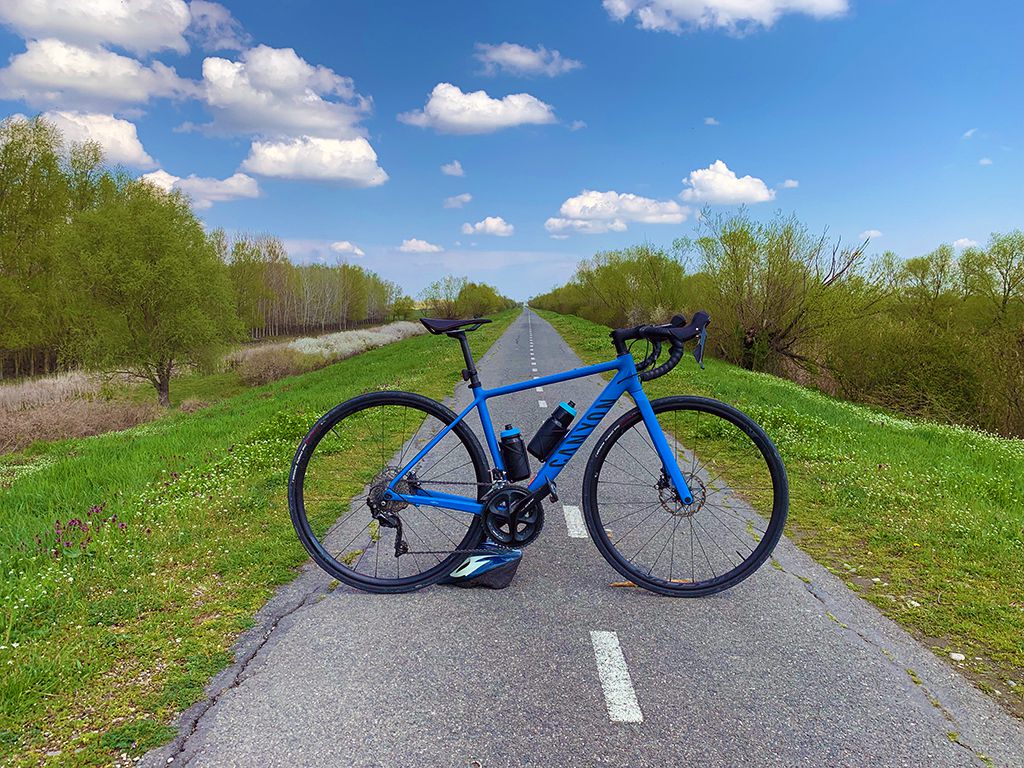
(511, 518)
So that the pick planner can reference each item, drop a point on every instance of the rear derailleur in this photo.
(384, 510)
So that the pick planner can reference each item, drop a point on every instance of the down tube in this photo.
(578, 435)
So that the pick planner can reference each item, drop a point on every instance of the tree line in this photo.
(105, 271)
(939, 335)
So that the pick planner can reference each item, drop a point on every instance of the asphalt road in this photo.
(787, 669)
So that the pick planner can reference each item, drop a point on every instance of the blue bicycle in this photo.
(685, 496)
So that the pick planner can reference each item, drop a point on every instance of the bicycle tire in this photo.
(765, 544)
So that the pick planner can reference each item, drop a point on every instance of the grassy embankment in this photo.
(187, 535)
(926, 521)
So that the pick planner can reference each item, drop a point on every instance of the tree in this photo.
(403, 307)
(777, 288)
(155, 295)
(442, 296)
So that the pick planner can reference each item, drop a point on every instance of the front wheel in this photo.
(641, 526)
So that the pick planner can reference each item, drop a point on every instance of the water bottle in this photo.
(513, 454)
(553, 430)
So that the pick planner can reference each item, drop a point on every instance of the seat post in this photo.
(469, 372)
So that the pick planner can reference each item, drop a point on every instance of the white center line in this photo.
(542, 403)
(540, 389)
(619, 696)
(534, 369)
(574, 522)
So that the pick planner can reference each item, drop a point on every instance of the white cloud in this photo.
(577, 125)
(274, 91)
(985, 161)
(735, 16)
(136, 25)
(118, 138)
(344, 246)
(869, 234)
(204, 192)
(790, 184)
(414, 245)
(592, 212)
(215, 28)
(454, 168)
(52, 72)
(519, 60)
(457, 201)
(969, 132)
(964, 242)
(718, 185)
(711, 121)
(449, 110)
(492, 225)
(349, 161)
(559, 237)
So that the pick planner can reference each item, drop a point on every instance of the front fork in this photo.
(668, 457)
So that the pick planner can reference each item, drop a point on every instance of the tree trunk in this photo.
(163, 384)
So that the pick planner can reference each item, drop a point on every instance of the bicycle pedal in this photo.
(552, 490)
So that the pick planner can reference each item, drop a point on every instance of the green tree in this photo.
(155, 294)
(442, 296)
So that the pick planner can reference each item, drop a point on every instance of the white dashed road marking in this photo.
(540, 389)
(542, 403)
(574, 522)
(619, 695)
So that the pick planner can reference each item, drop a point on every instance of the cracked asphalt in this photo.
(787, 669)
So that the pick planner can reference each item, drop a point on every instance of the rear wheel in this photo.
(338, 477)
(641, 526)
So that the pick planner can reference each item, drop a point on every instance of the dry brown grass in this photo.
(74, 418)
(59, 388)
(262, 366)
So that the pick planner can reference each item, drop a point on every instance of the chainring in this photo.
(508, 526)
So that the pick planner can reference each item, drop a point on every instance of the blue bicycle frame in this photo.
(625, 380)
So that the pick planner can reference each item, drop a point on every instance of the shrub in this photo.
(74, 418)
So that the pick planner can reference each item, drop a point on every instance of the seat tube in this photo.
(665, 452)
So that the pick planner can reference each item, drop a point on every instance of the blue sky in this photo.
(901, 118)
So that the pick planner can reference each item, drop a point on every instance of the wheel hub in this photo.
(673, 504)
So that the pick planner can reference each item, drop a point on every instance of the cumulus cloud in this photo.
(790, 184)
(449, 110)
(985, 161)
(344, 246)
(454, 168)
(53, 72)
(520, 60)
(492, 225)
(415, 245)
(869, 234)
(347, 161)
(274, 91)
(118, 138)
(969, 132)
(215, 28)
(718, 185)
(204, 192)
(457, 201)
(592, 212)
(735, 16)
(577, 125)
(711, 121)
(139, 26)
(964, 242)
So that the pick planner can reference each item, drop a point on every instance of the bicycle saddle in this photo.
(447, 326)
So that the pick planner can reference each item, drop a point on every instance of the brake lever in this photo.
(698, 351)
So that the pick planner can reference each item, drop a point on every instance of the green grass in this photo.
(935, 513)
(103, 644)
